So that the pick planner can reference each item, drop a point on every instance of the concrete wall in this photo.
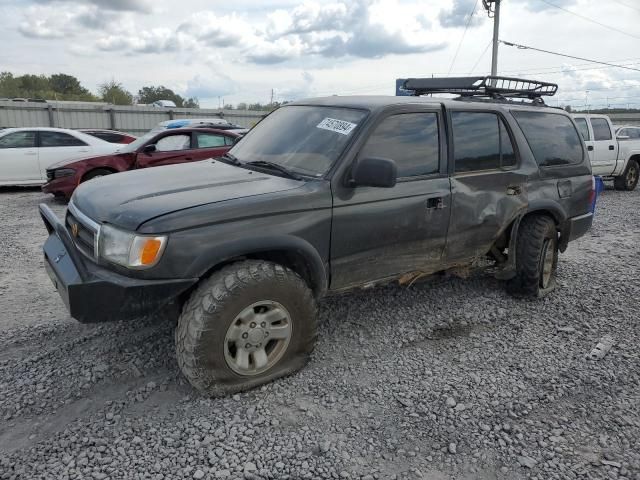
(131, 119)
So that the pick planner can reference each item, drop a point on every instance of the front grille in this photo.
(84, 236)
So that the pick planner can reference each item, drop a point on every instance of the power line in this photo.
(525, 47)
(590, 19)
(466, 27)
(481, 56)
(625, 5)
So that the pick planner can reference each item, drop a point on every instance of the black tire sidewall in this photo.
(98, 172)
(208, 351)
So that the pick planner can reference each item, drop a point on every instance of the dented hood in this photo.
(129, 199)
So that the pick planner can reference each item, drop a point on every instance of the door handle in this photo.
(30, 153)
(188, 158)
(611, 147)
(514, 190)
(590, 148)
(435, 203)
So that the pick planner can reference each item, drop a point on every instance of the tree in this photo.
(152, 94)
(191, 102)
(66, 84)
(228, 106)
(115, 93)
(9, 85)
(242, 106)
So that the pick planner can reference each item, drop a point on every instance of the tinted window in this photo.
(630, 132)
(18, 140)
(601, 130)
(481, 142)
(409, 139)
(551, 136)
(508, 155)
(173, 142)
(107, 136)
(207, 140)
(228, 140)
(59, 139)
(583, 128)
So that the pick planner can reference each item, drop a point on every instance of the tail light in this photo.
(592, 195)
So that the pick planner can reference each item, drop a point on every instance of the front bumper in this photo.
(93, 293)
(61, 186)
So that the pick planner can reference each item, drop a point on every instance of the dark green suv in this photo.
(325, 195)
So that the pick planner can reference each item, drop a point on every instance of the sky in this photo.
(243, 50)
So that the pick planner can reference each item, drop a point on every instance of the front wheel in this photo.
(97, 173)
(629, 179)
(536, 257)
(247, 324)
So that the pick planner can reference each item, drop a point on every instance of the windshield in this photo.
(303, 139)
(137, 143)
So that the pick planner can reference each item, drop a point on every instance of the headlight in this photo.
(63, 172)
(128, 249)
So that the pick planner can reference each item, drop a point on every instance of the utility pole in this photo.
(493, 10)
(271, 102)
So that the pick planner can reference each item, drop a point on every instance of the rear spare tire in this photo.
(536, 257)
(247, 324)
(629, 179)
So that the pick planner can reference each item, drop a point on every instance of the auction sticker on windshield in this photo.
(338, 126)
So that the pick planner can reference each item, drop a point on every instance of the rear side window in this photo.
(601, 130)
(107, 136)
(59, 139)
(409, 139)
(18, 140)
(552, 137)
(207, 140)
(481, 142)
(583, 128)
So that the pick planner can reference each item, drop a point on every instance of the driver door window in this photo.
(172, 143)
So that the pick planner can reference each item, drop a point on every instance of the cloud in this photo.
(458, 15)
(538, 6)
(60, 21)
(157, 40)
(355, 28)
(63, 21)
(142, 6)
(211, 86)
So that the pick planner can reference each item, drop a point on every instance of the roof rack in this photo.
(490, 86)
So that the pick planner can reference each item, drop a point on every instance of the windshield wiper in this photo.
(274, 166)
(231, 158)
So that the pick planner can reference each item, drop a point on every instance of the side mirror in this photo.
(149, 148)
(623, 137)
(374, 172)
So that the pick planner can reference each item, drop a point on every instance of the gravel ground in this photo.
(447, 379)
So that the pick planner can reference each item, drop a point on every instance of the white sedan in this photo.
(25, 153)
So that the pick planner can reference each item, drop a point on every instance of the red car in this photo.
(151, 150)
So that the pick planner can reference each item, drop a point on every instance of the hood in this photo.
(95, 156)
(131, 198)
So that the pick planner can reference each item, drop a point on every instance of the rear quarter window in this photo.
(552, 137)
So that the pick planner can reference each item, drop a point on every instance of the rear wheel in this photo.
(629, 179)
(98, 172)
(536, 257)
(249, 323)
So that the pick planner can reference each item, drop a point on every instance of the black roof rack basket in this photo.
(489, 86)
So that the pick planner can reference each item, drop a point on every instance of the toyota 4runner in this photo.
(325, 195)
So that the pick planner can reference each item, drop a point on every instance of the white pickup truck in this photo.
(611, 156)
